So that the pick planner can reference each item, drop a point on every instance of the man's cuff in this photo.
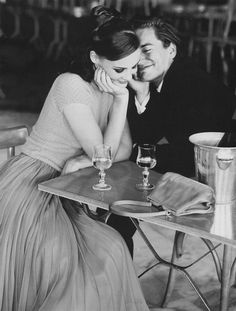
(141, 107)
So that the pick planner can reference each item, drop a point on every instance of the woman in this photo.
(53, 257)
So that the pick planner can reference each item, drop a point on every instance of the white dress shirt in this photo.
(141, 107)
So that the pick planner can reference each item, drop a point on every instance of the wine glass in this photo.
(146, 159)
(102, 161)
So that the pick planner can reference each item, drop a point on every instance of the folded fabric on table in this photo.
(182, 196)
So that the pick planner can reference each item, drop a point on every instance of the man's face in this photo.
(155, 58)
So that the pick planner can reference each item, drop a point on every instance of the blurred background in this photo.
(38, 39)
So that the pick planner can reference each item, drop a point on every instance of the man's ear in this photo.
(173, 50)
(94, 57)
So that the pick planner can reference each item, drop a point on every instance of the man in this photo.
(173, 99)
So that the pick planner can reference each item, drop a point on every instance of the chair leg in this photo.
(209, 48)
(190, 47)
(225, 65)
(10, 152)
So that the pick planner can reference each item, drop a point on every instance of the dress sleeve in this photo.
(71, 89)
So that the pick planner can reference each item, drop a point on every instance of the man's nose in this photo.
(142, 58)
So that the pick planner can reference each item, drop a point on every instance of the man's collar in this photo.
(154, 88)
(159, 87)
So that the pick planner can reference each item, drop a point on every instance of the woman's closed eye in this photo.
(119, 70)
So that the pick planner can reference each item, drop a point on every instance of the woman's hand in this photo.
(75, 164)
(105, 84)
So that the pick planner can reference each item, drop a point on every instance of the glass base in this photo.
(101, 187)
(142, 187)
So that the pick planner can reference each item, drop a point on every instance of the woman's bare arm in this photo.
(84, 125)
(83, 161)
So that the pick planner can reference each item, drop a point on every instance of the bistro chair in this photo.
(208, 29)
(212, 28)
(12, 137)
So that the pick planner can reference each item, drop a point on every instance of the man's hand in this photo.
(141, 88)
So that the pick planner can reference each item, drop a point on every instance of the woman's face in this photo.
(120, 71)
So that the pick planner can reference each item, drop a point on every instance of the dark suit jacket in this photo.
(190, 101)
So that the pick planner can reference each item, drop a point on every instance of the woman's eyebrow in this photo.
(118, 67)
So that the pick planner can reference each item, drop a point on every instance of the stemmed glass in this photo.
(102, 161)
(146, 159)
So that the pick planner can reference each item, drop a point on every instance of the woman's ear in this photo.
(94, 57)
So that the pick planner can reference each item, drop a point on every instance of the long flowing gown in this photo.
(52, 256)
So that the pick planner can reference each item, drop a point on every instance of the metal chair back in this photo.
(12, 137)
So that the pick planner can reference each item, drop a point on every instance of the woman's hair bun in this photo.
(103, 15)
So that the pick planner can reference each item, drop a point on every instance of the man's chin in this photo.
(145, 77)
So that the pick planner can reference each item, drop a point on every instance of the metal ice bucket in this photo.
(215, 166)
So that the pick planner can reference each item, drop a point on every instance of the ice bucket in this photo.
(215, 166)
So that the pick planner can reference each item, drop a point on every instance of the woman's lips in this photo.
(122, 83)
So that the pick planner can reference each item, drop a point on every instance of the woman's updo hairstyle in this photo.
(112, 38)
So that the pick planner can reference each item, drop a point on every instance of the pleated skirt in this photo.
(52, 256)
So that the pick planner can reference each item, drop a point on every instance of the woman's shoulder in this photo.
(71, 79)
(71, 88)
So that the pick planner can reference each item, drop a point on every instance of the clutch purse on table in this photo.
(180, 195)
(174, 194)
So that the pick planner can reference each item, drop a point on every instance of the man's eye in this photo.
(147, 50)
(119, 70)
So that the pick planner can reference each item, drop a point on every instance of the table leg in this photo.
(225, 278)
(176, 253)
(135, 222)
(171, 264)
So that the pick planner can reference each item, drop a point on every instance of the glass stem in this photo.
(145, 176)
(102, 175)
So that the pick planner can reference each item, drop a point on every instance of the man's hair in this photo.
(163, 30)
